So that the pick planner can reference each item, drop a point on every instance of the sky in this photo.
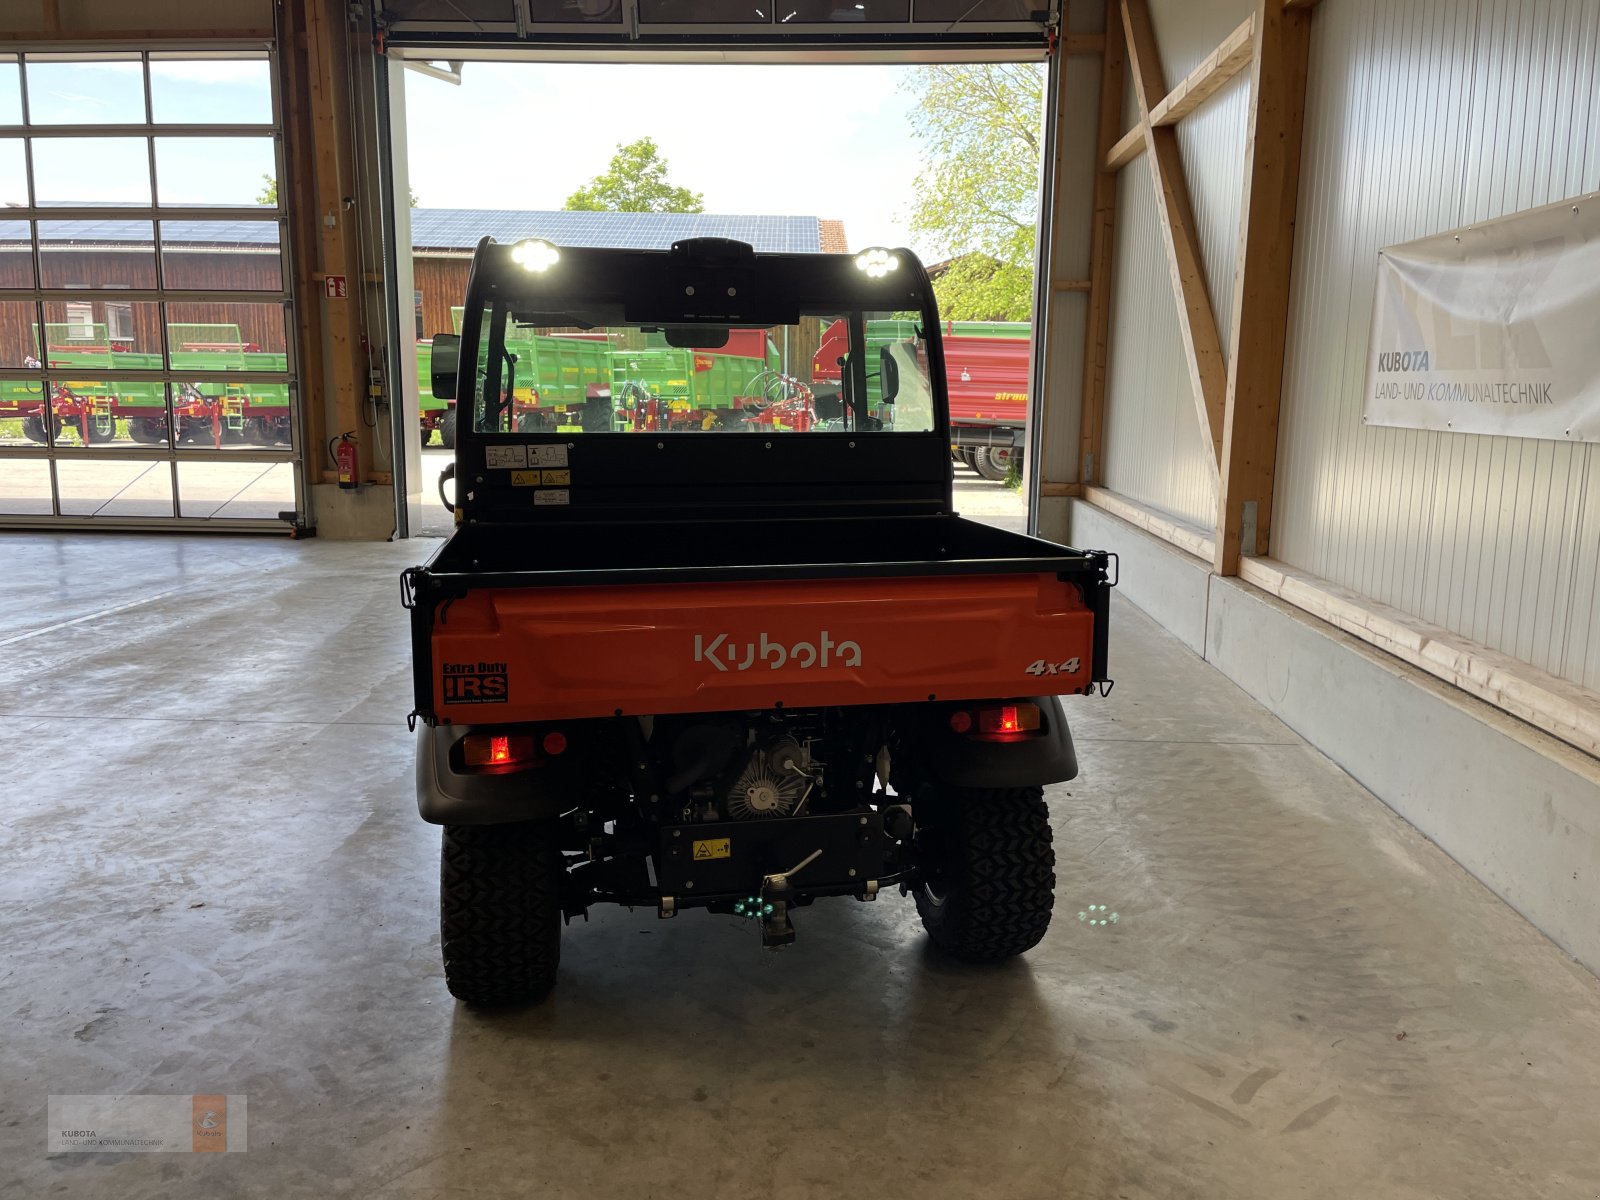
(820, 141)
(830, 141)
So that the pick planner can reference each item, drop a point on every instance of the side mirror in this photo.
(446, 356)
(888, 375)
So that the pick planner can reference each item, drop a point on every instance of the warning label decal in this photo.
(505, 458)
(714, 848)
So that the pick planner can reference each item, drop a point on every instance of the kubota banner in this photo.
(1494, 328)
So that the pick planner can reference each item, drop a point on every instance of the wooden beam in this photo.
(51, 16)
(1197, 322)
(1126, 148)
(1102, 230)
(1186, 537)
(1301, 3)
(1071, 285)
(1207, 79)
(1084, 43)
(1261, 283)
(1061, 489)
(1221, 65)
(298, 191)
(1559, 707)
(329, 114)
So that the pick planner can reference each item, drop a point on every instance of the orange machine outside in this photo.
(560, 653)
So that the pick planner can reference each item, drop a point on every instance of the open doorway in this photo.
(941, 158)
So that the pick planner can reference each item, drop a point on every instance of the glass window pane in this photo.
(221, 415)
(24, 482)
(102, 331)
(207, 170)
(211, 89)
(141, 409)
(16, 255)
(85, 412)
(97, 254)
(703, 12)
(10, 91)
(19, 334)
(206, 338)
(22, 410)
(849, 11)
(576, 12)
(100, 89)
(91, 170)
(13, 173)
(221, 255)
(984, 10)
(99, 487)
(237, 489)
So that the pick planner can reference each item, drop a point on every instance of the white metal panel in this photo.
(1211, 142)
(1423, 115)
(1188, 30)
(1154, 450)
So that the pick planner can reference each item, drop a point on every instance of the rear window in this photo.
(848, 372)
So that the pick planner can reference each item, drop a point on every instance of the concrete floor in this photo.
(215, 881)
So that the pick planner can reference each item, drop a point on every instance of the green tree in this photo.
(977, 197)
(635, 181)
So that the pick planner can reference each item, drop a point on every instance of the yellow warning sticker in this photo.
(525, 478)
(556, 478)
(715, 848)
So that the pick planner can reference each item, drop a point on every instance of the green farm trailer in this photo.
(576, 381)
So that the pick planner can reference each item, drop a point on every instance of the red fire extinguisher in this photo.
(344, 457)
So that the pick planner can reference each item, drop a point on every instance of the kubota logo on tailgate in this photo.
(725, 655)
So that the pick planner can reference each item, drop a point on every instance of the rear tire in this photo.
(447, 430)
(992, 462)
(500, 912)
(33, 428)
(148, 431)
(989, 873)
(101, 428)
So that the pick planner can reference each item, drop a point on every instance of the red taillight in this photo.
(1005, 722)
(960, 722)
(498, 750)
(554, 743)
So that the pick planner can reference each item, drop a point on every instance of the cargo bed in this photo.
(588, 620)
(799, 548)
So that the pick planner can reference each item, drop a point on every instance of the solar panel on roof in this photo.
(462, 228)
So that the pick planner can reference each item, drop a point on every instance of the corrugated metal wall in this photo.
(1154, 450)
(1424, 115)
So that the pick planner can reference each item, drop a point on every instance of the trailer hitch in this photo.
(770, 905)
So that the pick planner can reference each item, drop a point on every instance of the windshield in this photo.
(840, 371)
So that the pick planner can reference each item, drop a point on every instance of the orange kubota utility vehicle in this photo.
(731, 665)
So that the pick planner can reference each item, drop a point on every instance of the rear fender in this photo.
(946, 758)
(447, 794)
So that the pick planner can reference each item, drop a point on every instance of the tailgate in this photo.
(546, 653)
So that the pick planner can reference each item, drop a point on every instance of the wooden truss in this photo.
(1236, 394)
